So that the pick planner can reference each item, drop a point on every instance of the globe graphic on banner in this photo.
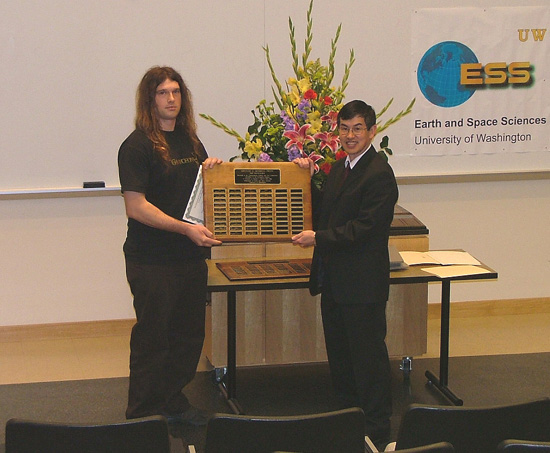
(439, 74)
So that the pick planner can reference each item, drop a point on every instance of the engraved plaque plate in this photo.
(404, 223)
(260, 176)
(257, 201)
(249, 270)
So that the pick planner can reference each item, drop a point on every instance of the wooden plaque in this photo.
(257, 201)
(265, 269)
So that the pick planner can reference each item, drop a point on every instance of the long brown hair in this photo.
(146, 118)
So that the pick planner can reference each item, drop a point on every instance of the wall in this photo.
(504, 224)
(67, 103)
(61, 258)
(70, 69)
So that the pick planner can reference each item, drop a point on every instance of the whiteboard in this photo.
(70, 70)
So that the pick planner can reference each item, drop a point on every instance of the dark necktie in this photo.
(346, 171)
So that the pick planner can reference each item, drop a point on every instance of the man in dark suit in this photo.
(351, 268)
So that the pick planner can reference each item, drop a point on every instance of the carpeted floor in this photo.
(285, 390)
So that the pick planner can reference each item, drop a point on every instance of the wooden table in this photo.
(217, 282)
(284, 327)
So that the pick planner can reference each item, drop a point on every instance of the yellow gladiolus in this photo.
(294, 95)
(304, 84)
(253, 149)
(314, 119)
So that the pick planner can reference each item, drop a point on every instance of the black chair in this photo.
(439, 447)
(143, 435)
(474, 429)
(338, 431)
(523, 446)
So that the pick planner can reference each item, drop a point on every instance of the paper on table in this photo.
(194, 212)
(455, 271)
(442, 257)
(414, 258)
(447, 257)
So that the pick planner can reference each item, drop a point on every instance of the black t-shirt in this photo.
(166, 186)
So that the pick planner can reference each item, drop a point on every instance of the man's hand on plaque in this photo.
(304, 239)
(200, 235)
(210, 162)
(305, 162)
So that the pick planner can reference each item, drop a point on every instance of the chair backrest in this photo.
(137, 436)
(336, 431)
(439, 447)
(471, 429)
(523, 446)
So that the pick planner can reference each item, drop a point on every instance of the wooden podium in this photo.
(284, 326)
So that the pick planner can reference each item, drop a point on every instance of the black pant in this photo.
(167, 339)
(358, 358)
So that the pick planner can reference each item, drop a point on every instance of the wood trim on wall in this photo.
(492, 308)
(90, 329)
(86, 329)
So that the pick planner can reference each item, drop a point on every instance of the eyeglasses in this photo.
(357, 130)
(167, 93)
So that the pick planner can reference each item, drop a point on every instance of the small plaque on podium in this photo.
(250, 270)
(257, 201)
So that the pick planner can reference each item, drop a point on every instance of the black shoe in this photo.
(192, 416)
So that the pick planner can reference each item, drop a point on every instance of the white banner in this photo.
(480, 78)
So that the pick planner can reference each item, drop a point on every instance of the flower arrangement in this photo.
(302, 119)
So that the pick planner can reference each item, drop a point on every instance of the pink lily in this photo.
(328, 140)
(332, 118)
(298, 137)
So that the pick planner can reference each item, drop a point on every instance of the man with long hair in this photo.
(165, 256)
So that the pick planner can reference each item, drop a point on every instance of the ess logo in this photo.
(449, 74)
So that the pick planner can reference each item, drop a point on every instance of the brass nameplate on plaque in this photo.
(257, 176)
(248, 270)
(257, 201)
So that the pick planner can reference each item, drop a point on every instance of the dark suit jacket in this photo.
(352, 228)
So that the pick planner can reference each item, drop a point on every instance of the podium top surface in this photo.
(405, 223)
